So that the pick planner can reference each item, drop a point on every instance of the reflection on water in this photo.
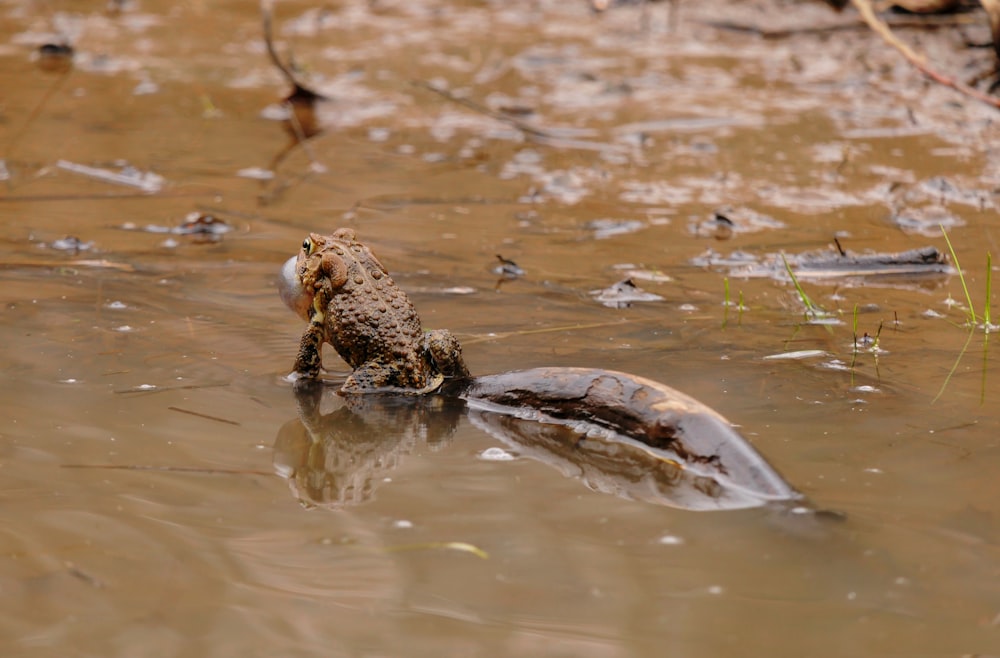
(608, 151)
(340, 458)
(650, 444)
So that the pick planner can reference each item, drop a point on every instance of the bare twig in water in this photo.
(80, 574)
(525, 128)
(300, 105)
(150, 388)
(547, 330)
(897, 22)
(205, 416)
(300, 92)
(36, 198)
(992, 8)
(868, 15)
(35, 111)
(303, 126)
(89, 263)
(170, 469)
(534, 134)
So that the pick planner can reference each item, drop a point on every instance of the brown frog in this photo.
(351, 302)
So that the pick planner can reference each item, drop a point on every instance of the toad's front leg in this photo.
(309, 361)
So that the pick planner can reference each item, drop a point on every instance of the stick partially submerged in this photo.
(868, 15)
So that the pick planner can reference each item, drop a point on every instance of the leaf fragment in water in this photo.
(129, 176)
(449, 545)
(793, 356)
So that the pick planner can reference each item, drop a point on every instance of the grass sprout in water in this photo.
(972, 319)
(867, 343)
(814, 311)
(727, 302)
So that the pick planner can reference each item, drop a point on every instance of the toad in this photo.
(340, 288)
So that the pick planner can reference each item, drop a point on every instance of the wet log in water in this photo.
(926, 260)
(626, 435)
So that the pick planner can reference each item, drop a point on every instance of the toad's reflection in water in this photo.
(618, 433)
(337, 459)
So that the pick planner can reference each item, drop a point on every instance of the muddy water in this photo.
(162, 497)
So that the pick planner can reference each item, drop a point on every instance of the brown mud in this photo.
(147, 343)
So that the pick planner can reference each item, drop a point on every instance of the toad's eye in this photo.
(307, 246)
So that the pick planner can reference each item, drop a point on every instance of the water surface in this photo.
(161, 354)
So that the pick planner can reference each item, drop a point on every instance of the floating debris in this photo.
(827, 264)
(55, 57)
(55, 50)
(623, 294)
(72, 244)
(461, 546)
(507, 268)
(694, 124)
(608, 228)
(129, 176)
(458, 290)
(638, 273)
(496, 455)
(145, 88)
(197, 223)
(721, 227)
(670, 540)
(926, 221)
(655, 193)
(256, 173)
(728, 221)
(203, 226)
(943, 190)
(795, 356)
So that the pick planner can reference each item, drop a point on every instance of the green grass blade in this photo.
(961, 276)
(989, 290)
(811, 307)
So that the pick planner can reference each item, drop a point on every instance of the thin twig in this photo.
(299, 91)
(546, 330)
(170, 469)
(867, 13)
(527, 129)
(537, 135)
(205, 416)
(301, 137)
(35, 111)
(899, 22)
(94, 263)
(46, 198)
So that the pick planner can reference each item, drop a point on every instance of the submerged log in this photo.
(626, 435)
